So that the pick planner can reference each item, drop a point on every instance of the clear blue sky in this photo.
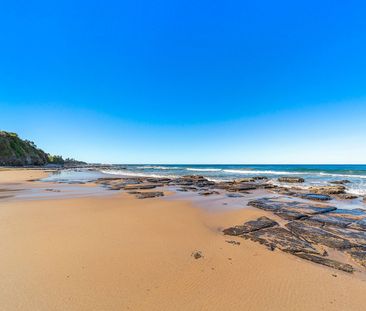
(187, 81)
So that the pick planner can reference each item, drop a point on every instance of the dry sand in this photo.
(118, 253)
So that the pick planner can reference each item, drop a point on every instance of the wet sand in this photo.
(114, 252)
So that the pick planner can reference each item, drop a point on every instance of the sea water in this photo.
(313, 174)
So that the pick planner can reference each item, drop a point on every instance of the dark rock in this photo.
(53, 190)
(318, 235)
(234, 195)
(277, 237)
(197, 254)
(346, 196)
(116, 187)
(190, 180)
(6, 196)
(290, 214)
(206, 193)
(182, 189)
(250, 226)
(291, 179)
(302, 211)
(242, 187)
(338, 218)
(267, 204)
(355, 214)
(290, 210)
(148, 195)
(232, 242)
(339, 189)
(327, 220)
(141, 186)
(158, 180)
(283, 191)
(260, 178)
(190, 188)
(241, 180)
(315, 197)
(340, 182)
(326, 262)
(107, 180)
(357, 238)
(269, 186)
(358, 255)
(358, 225)
(224, 185)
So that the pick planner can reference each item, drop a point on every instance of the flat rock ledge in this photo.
(268, 232)
(147, 195)
(308, 231)
(251, 226)
(291, 179)
(338, 189)
(290, 209)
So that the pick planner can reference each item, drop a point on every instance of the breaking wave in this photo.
(203, 169)
(135, 174)
(264, 172)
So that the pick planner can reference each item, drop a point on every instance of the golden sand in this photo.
(115, 252)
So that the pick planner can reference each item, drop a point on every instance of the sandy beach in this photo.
(115, 252)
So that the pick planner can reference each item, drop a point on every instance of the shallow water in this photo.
(74, 176)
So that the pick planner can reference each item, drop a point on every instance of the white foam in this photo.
(203, 169)
(263, 172)
(135, 174)
(343, 175)
(159, 167)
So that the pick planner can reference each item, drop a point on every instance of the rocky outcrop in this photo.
(318, 236)
(128, 184)
(148, 195)
(193, 180)
(158, 180)
(340, 182)
(346, 196)
(315, 197)
(282, 239)
(241, 180)
(358, 255)
(358, 225)
(142, 186)
(250, 226)
(242, 187)
(208, 192)
(328, 189)
(291, 179)
(311, 230)
(260, 178)
(296, 241)
(326, 262)
(290, 209)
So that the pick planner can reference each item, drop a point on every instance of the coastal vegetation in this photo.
(15, 151)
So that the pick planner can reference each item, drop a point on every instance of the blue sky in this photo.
(187, 81)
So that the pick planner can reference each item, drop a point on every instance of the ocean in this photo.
(313, 174)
